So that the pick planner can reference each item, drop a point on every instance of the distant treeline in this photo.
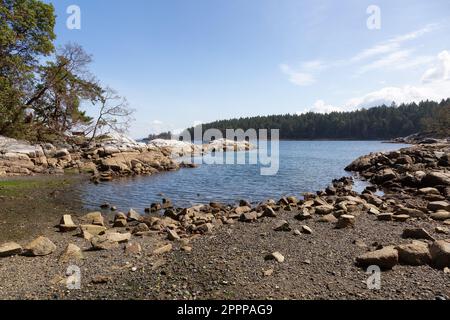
(381, 122)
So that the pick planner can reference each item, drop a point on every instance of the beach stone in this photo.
(205, 228)
(385, 216)
(373, 211)
(94, 218)
(440, 215)
(345, 221)
(269, 212)
(166, 203)
(400, 217)
(120, 216)
(71, 253)
(428, 191)
(439, 205)
(133, 248)
(134, 216)
(66, 224)
(10, 249)
(164, 249)
(385, 258)
(442, 230)
(297, 232)
(109, 241)
(328, 218)
(292, 200)
(275, 256)
(120, 223)
(186, 248)
(414, 254)
(324, 209)
(306, 230)
(440, 253)
(242, 210)
(268, 273)
(416, 233)
(141, 227)
(92, 229)
(282, 225)
(40, 246)
(436, 179)
(249, 216)
(172, 235)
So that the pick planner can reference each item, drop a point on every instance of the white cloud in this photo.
(296, 77)
(435, 86)
(441, 71)
(392, 44)
(157, 122)
(320, 107)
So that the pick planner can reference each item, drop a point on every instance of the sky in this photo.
(184, 62)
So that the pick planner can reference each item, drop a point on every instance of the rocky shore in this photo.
(315, 246)
(110, 157)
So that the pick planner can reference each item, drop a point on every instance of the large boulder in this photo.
(440, 253)
(40, 246)
(385, 258)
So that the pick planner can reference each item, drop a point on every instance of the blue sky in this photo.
(180, 62)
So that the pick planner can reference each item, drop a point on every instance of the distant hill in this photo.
(381, 122)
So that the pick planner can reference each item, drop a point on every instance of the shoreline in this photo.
(186, 235)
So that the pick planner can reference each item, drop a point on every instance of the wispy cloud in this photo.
(393, 44)
(298, 78)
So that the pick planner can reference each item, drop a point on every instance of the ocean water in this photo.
(304, 166)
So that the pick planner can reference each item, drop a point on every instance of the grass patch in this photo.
(18, 187)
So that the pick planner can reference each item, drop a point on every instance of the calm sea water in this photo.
(303, 166)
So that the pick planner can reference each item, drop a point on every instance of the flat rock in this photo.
(385, 216)
(401, 217)
(40, 246)
(94, 218)
(66, 224)
(440, 215)
(439, 205)
(385, 258)
(417, 233)
(10, 249)
(328, 218)
(164, 249)
(133, 248)
(92, 229)
(414, 254)
(345, 221)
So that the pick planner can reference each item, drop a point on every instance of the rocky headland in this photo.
(112, 156)
(315, 246)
